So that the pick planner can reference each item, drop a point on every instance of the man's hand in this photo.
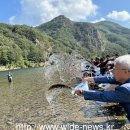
(88, 79)
(79, 92)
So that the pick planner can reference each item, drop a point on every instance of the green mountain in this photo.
(25, 46)
(115, 37)
(79, 36)
(89, 39)
(22, 45)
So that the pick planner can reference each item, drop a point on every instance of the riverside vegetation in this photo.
(25, 46)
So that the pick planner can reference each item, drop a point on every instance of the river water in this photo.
(20, 100)
(28, 101)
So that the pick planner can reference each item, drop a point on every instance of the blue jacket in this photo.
(120, 95)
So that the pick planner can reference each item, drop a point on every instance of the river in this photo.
(27, 101)
(20, 96)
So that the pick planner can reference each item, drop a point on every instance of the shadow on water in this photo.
(115, 109)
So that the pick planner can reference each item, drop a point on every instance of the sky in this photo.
(36, 12)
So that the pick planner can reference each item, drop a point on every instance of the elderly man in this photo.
(121, 94)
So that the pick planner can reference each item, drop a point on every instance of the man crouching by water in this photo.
(121, 94)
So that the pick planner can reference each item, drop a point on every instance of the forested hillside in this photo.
(92, 39)
(115, 37)
(79, 36)
(24, 46)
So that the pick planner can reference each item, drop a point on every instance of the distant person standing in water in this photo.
(10, 77)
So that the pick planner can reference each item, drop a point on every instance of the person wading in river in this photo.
(10, 77)
(121, 94)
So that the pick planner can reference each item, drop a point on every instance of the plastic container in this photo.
(80, 86)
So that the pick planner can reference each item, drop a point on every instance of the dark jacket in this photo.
(120, 95)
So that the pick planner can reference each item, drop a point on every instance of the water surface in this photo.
(28, 100)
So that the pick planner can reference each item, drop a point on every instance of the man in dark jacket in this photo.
(121, 94)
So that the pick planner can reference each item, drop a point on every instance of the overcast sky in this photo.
(36, 12)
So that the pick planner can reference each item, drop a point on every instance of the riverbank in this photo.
(4, 68)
